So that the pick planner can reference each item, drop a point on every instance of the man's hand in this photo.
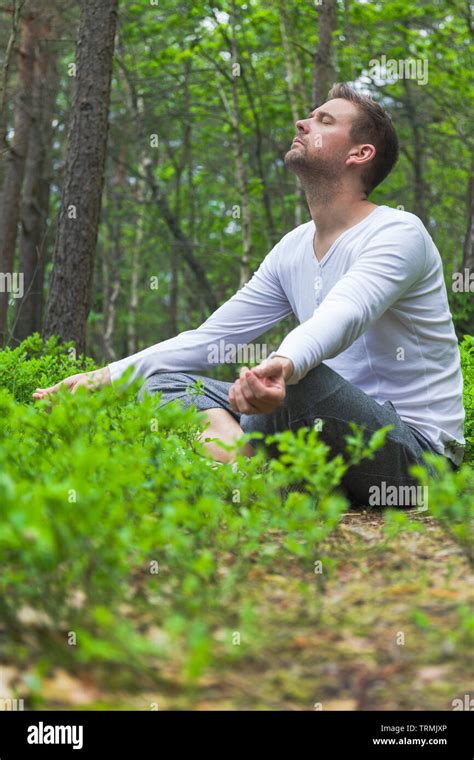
(263, 388)
(90, 380)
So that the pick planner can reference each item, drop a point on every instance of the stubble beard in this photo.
(320, 177)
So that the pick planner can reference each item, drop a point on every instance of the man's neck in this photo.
(333, 211)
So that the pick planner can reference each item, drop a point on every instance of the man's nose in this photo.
(302, 126)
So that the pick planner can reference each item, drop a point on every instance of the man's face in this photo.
(323, 144)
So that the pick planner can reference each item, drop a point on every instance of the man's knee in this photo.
(171, 382)
(320, 379)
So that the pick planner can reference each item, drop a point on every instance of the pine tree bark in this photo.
(241, 174)
(15, 16)
(132, 332)
(111, 260)
(136, 106)
(468, 248)
(324, 69)
(15, 162)
(36, 191)
(73, 261)
(300, 199)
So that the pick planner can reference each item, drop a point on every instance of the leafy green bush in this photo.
(450, 498)
(116, 533)
(112, 521)
(467, 362)
(462, 309)
(37, 363)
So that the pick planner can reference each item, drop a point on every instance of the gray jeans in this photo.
(322, 394)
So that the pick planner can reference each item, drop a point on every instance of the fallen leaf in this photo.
(444, 593)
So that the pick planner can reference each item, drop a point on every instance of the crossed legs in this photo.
(223, 426)
(321, 395)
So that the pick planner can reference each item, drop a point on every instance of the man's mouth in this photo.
(297, 141)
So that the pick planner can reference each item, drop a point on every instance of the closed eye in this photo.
(324, 118)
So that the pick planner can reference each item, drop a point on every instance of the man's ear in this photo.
(361, 154)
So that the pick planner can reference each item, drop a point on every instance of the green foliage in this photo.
(450, 498)
(462, 309)
(114, 525)
(37, 363)
(107, 504)
(467, 363)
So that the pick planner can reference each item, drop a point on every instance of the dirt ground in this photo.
(383, 626)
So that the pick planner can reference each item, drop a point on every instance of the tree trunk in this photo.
(15, 13)
(241, 177)
(234, 114)
(132, 339)
(111, 259)
(73, 261)
(349, 35)
(300, 201)
(16, 159)
(417, 130)
(36, 190)
(324, 69)
(468, 248)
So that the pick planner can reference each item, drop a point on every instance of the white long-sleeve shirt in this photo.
(374, 309)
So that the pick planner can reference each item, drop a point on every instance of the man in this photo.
(375, 344)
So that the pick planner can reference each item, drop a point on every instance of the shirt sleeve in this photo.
(391, 262)
(251, 311)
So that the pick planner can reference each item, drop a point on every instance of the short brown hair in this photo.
(374, 125)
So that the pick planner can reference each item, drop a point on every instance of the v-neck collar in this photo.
(339, 238)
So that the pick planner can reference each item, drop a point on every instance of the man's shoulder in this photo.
(398, 216)
(399, 228)
(402, 237)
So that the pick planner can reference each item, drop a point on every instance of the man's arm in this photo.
(391, 263)
(251, 311)
(393, 260)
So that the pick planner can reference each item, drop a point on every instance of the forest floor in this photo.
(384, 629)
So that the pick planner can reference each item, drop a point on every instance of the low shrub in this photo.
(117, 534)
